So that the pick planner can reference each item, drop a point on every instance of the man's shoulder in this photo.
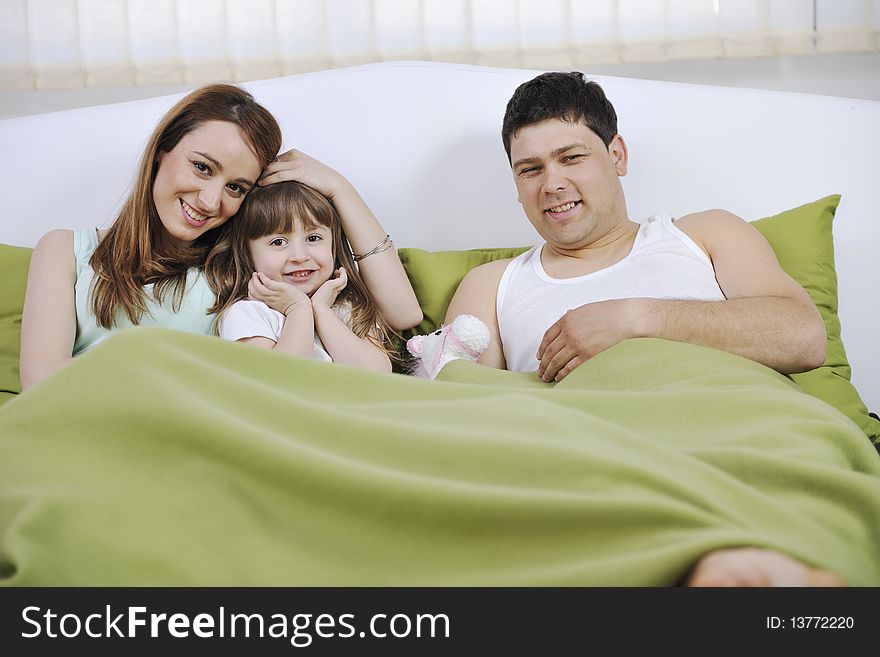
(495, 267)
(475, 294)
(487, 275)
(714, 219)
(709, 226)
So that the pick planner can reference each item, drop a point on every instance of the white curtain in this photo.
(73, 43)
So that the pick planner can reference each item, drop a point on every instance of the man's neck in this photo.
(607, 249)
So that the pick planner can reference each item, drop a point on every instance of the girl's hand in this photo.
(278, 295)
(327, 293)
(296, 165)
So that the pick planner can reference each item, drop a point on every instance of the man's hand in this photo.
(296, 165)
(327, 293)
(278, 295)
(583, 332)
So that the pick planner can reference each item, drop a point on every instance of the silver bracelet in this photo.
(384, 245)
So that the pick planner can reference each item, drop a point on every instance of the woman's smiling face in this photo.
(203, 180)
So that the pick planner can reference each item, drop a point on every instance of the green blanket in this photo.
(163, 458)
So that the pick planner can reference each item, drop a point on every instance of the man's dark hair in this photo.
(565, 96)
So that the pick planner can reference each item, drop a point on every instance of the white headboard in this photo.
(421, 141)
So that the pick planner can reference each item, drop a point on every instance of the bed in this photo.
(161, 458)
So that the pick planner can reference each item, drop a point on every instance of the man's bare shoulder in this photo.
(487, 272)
(708, 226)
(484, 279)
(709, 220)
(476, 292)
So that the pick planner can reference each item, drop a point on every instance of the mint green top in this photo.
(191, 317)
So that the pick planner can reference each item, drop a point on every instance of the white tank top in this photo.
(664, 263)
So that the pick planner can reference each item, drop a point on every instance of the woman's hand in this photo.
(278, 295)
(327, 293)
(296, 165)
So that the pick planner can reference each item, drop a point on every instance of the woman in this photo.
(204, 156)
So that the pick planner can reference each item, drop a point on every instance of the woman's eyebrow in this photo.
(219, 166)
(214, 161)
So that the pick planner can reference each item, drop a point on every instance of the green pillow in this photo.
(14, 263)
(803, 243)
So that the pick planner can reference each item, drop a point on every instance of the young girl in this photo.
(286, 280)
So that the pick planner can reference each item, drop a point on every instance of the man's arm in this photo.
(766, 317)
(476, 296)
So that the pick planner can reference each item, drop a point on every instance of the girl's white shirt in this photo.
(249, 318)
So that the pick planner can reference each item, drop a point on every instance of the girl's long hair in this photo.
(137, 250)
(274, 209)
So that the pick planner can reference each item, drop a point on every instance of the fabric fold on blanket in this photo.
(162, 458)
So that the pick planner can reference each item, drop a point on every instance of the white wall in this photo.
(26, 103)
(848, 75)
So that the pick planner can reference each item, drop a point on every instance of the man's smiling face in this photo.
(568, 181)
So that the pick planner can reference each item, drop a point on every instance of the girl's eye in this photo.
(278, 241)
(314, 238)
(236, 189)
(202, 167)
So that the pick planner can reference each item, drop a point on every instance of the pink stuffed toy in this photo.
(466, 337)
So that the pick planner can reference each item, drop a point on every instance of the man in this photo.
(708, 278)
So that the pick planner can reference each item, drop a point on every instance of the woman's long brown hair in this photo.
(274, 209)
(137, 250)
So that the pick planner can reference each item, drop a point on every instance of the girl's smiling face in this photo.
(302, 257)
